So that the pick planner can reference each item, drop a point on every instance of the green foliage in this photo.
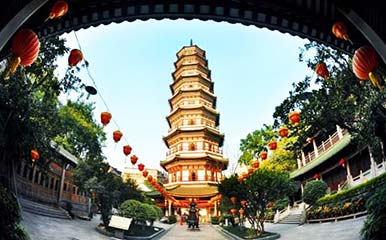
(255, 143)
(10, 209)
(261, 187)
(140, 212)
(374, 226)
(314, 190)
(281, 159)
(214, 220)
(172, 219)
(280, 204)
(341, 100)
(364, 189)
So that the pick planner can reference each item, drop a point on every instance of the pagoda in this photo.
(194, 161)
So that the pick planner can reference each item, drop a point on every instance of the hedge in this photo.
(363, 189)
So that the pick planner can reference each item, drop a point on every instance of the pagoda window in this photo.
(201, 175)
(191, 122)
(185, 175)
(192, 147)
(174, 177)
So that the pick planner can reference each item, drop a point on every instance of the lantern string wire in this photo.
(95, 85)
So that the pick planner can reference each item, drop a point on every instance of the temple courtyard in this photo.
(46, 228)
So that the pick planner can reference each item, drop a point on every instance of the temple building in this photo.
(194, 161)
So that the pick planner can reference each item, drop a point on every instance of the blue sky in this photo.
(253, 70)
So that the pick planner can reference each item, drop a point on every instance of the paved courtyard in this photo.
(45, 228)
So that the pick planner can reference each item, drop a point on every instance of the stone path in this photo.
(45, 228)
(206, 232)
(342, 230)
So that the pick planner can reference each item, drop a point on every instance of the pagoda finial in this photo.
(191, 42)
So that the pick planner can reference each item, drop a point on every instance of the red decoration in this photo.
(133, 159)
(256, 164)
(316, 176)
(342, 162)
(150, 178)
(250, 170)
(126, 150)
(141, 166)
(243, 203)
(145, 173)
(339, 29)
(34, 155)
(59, 9)
(105, 118)
(233, 211)
(117, 135)
(233, 200)
(272, 145)
(294, 117)
(241, 212)
(364, 64)
(75, 57)
(321, 70)
(283, 132)
(263, 155)
(25, 50)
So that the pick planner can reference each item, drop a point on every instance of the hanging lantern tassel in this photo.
(25, 50)
(339, 29)
(364, 65)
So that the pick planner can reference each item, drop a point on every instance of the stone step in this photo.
(292, 219)
(43, 209)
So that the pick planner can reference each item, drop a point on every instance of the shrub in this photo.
(172, 219)
(9, 212)
(214, 220)
(374, 226)
(313, 191)
(280, 204)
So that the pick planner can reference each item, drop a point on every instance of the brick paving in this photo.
(46, 228)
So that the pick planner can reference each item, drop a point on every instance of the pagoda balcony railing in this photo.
(192, 126)
(187, 182)
(323, 147)
(218, 151)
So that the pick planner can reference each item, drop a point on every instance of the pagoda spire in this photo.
(191, 42)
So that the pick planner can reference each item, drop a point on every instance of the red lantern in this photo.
(25, 50)
(250, 170)
(321, 70)
(126, 150)
(294, 117)
(316, 176)
(141, 166)
(133, 159)
(263, 155)
(272, 145)
(339, 29)
(233, 211)
(59, 9)
(243, 203)
(364, 64)
(145, 173)
(256, 164)
(241, 212)
(283, 132)
(34, 155)
(105, 118)
(233, 200)
(270, 204)
(342, 162)
(117, 135)
(75, 57)
(150, 178)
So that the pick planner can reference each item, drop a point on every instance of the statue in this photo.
(193, 216)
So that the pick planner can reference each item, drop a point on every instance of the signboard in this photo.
(120, 222)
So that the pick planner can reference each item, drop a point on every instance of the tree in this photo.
(258, 189)
(282, 159)
(341, 100)
(313, 191)
(255, 143)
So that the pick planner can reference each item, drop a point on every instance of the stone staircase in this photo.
(292, 218)
(43, 209)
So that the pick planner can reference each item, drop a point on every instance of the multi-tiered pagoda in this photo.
(194, 161)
